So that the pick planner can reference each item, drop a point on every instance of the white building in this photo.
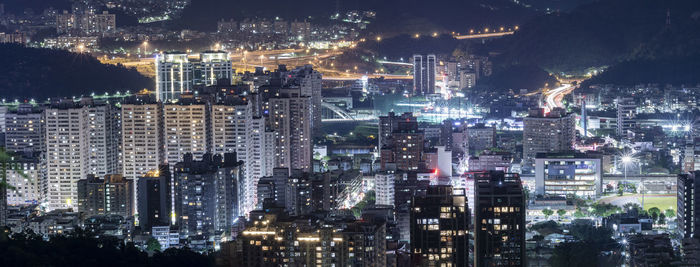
(562, 174)
(384, 188)
(67, 157)
(185, 131)
(29, 183)
(3, 113)
(176, 74)
(141, 139)
(234, 129)
(213, 65)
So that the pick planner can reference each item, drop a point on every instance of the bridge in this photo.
(483, 35)
(333, 113)
(386, 62)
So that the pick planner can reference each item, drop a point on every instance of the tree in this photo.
(662, 218)
(620, 192)
(654, 212)
(153, 245)
(547, 212)
(630, 206)
(670, 213)
(6, 164)
(574, 254)
(561, 212)
(579, 214)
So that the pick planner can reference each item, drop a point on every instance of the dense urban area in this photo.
(350, 133)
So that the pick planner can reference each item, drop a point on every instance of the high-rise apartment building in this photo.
(234, 129)
(499, 216)
(309, 82)
(440, 228)
(290, 118)
(104, 133)
(67, 152)
(86, 22)
(207, 194)
(547, 132)
(142, 138)
(25, 129)
(185, 130)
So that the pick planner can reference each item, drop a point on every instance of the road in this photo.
(270, 59)
(554, 96)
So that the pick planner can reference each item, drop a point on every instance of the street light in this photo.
(626, 160)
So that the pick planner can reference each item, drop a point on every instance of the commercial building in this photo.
(626, 114)
(176, 74)
(563, 174)
(440, 228)
(481, 137)
(499, 230)
(491, 161)
(424, 72)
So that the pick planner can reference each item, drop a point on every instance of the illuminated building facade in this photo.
(66, 153)
(440, 228)
(176, 74)
(688, 213)
(563, 174)
(499, 228)
(111, 195)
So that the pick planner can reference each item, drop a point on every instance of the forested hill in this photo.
(605, 33)
(41, 73)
